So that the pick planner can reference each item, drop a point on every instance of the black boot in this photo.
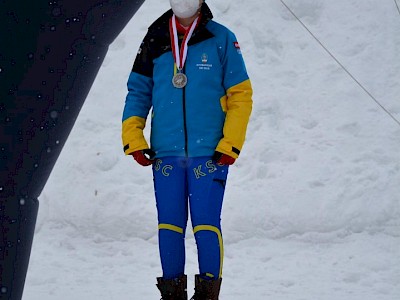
(206, 289)
(173, 289)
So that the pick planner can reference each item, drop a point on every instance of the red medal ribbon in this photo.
(180, 55)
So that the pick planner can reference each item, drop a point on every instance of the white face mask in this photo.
(184, 8)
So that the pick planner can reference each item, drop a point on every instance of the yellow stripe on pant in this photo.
(170, 227)
(221, 244)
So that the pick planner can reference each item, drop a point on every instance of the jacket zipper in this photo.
(184, 118)
(184, 110)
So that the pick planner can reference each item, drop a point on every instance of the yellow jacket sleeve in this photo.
(238, 104)
(132, 135)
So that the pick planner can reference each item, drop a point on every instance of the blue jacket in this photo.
(210, 113)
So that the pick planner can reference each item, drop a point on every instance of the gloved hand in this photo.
(223, 159)
(144, 157)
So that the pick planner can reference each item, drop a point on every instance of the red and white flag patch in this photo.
(237, 46)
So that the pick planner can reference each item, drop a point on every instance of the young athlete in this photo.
(189, 70)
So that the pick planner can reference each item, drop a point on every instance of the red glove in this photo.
(223, 159)
(144, 157)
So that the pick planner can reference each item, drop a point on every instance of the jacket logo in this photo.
(140, 48)
(204, 63)
(204, 58)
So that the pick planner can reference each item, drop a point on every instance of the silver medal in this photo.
(179, 80)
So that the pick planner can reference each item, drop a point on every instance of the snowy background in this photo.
(312, 205)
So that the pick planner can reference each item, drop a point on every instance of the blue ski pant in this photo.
(189, 184)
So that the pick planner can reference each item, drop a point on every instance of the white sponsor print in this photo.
(204, 65)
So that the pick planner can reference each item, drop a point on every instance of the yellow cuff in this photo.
(227, 148)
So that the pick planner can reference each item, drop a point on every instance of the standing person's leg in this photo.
(206, 182)
(170, 187)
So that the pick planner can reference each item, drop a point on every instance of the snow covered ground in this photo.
(312, 208)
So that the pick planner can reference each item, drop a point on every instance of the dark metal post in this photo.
(50, 53)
